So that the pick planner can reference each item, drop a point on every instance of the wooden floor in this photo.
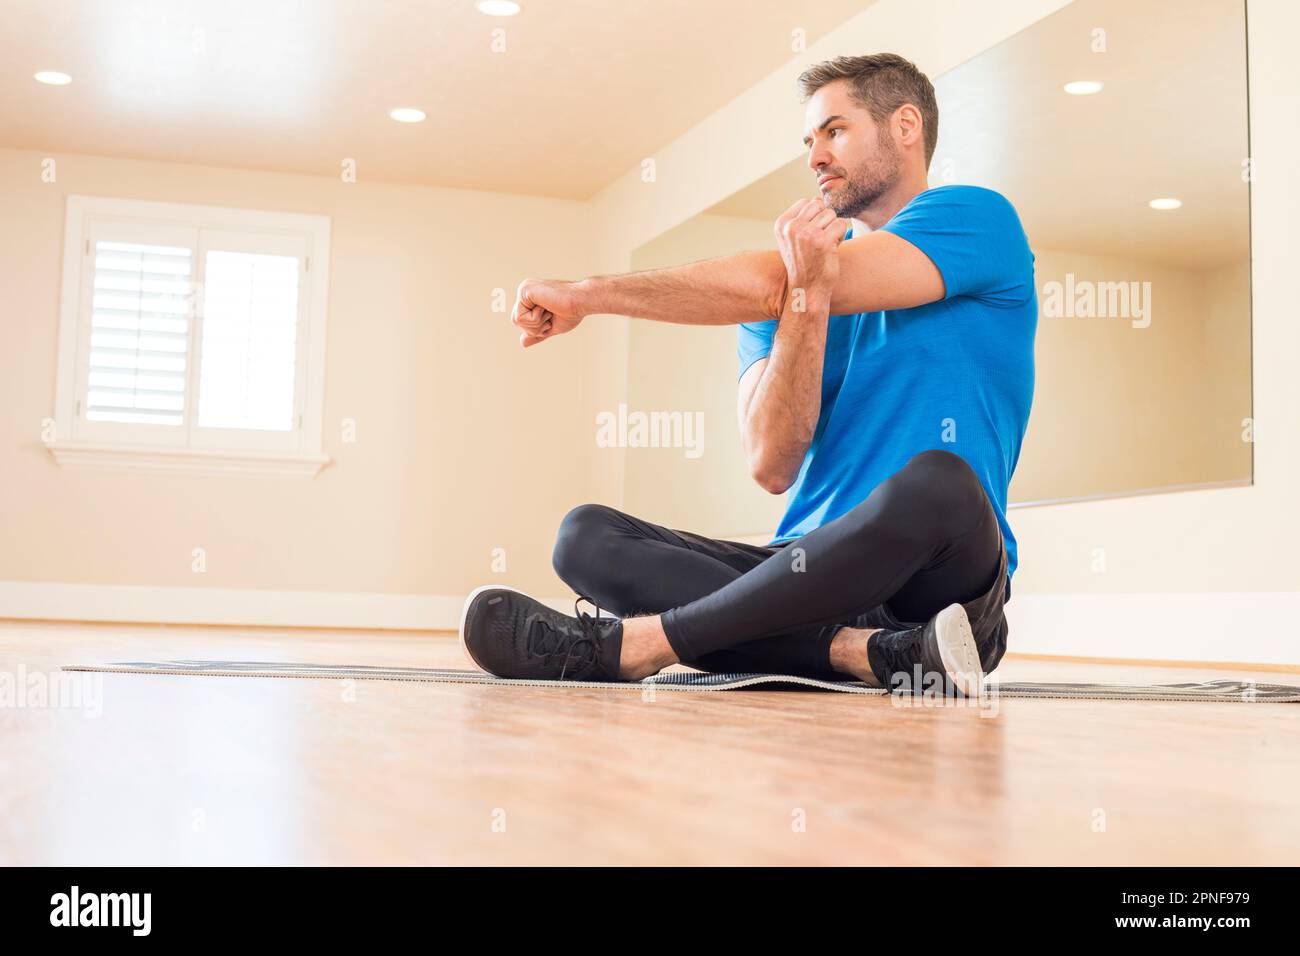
(247, 770)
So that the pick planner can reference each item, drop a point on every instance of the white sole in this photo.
(464, 613)
(957, 650)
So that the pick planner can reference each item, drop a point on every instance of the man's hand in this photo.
(545, 308)
(808, 235)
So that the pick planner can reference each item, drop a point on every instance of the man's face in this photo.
(855, 160)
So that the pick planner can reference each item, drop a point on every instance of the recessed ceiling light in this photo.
(498, 8)
(1083, 87)
(53, 78)
(407, 114)
(1165, 203)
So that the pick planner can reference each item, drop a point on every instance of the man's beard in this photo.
(867, 183)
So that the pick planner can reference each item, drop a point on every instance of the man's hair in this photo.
(881, 83)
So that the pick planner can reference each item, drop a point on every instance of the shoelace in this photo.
(548, 639)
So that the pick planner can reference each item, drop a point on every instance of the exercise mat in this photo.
(1226, 691)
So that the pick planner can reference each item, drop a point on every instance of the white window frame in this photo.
(78, 442)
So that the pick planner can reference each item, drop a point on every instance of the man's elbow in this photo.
(773, 480)
(778, 287)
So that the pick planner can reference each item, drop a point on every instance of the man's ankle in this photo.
(646, 650)
(849, 653)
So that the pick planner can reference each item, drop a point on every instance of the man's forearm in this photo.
(781, 417)
(745, 287)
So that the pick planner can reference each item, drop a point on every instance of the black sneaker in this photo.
(924, 660)
(509, 634)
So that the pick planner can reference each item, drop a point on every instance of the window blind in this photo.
(139, 333)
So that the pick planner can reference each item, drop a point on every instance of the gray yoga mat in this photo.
(1225, 691)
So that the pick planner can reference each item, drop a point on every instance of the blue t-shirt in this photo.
(957, 374)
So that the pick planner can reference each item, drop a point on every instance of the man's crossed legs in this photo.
(868, 595)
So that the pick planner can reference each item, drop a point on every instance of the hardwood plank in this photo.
(225, 770)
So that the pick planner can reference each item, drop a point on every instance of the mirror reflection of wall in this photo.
(1143, 348)
(1143, 345)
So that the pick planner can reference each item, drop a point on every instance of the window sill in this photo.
(154, 458)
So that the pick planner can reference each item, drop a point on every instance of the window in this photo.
(191, 337)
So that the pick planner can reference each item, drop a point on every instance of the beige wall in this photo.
(465, 443)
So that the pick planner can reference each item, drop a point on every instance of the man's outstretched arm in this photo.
(878, 271)
(729, 290)
(744, 287)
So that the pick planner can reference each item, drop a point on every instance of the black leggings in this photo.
(925, 538)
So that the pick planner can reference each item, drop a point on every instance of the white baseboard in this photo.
(41, 600)
(1238, 627)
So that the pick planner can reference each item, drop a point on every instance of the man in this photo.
(886, 381)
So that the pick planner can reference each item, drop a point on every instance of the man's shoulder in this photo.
(976, 210)
(971, 196)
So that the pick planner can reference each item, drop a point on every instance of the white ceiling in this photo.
(584, 90)
(1171, 121)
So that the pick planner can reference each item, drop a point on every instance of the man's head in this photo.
(870, 122)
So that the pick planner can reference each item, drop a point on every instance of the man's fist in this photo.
(808, 235)
(545, 308)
